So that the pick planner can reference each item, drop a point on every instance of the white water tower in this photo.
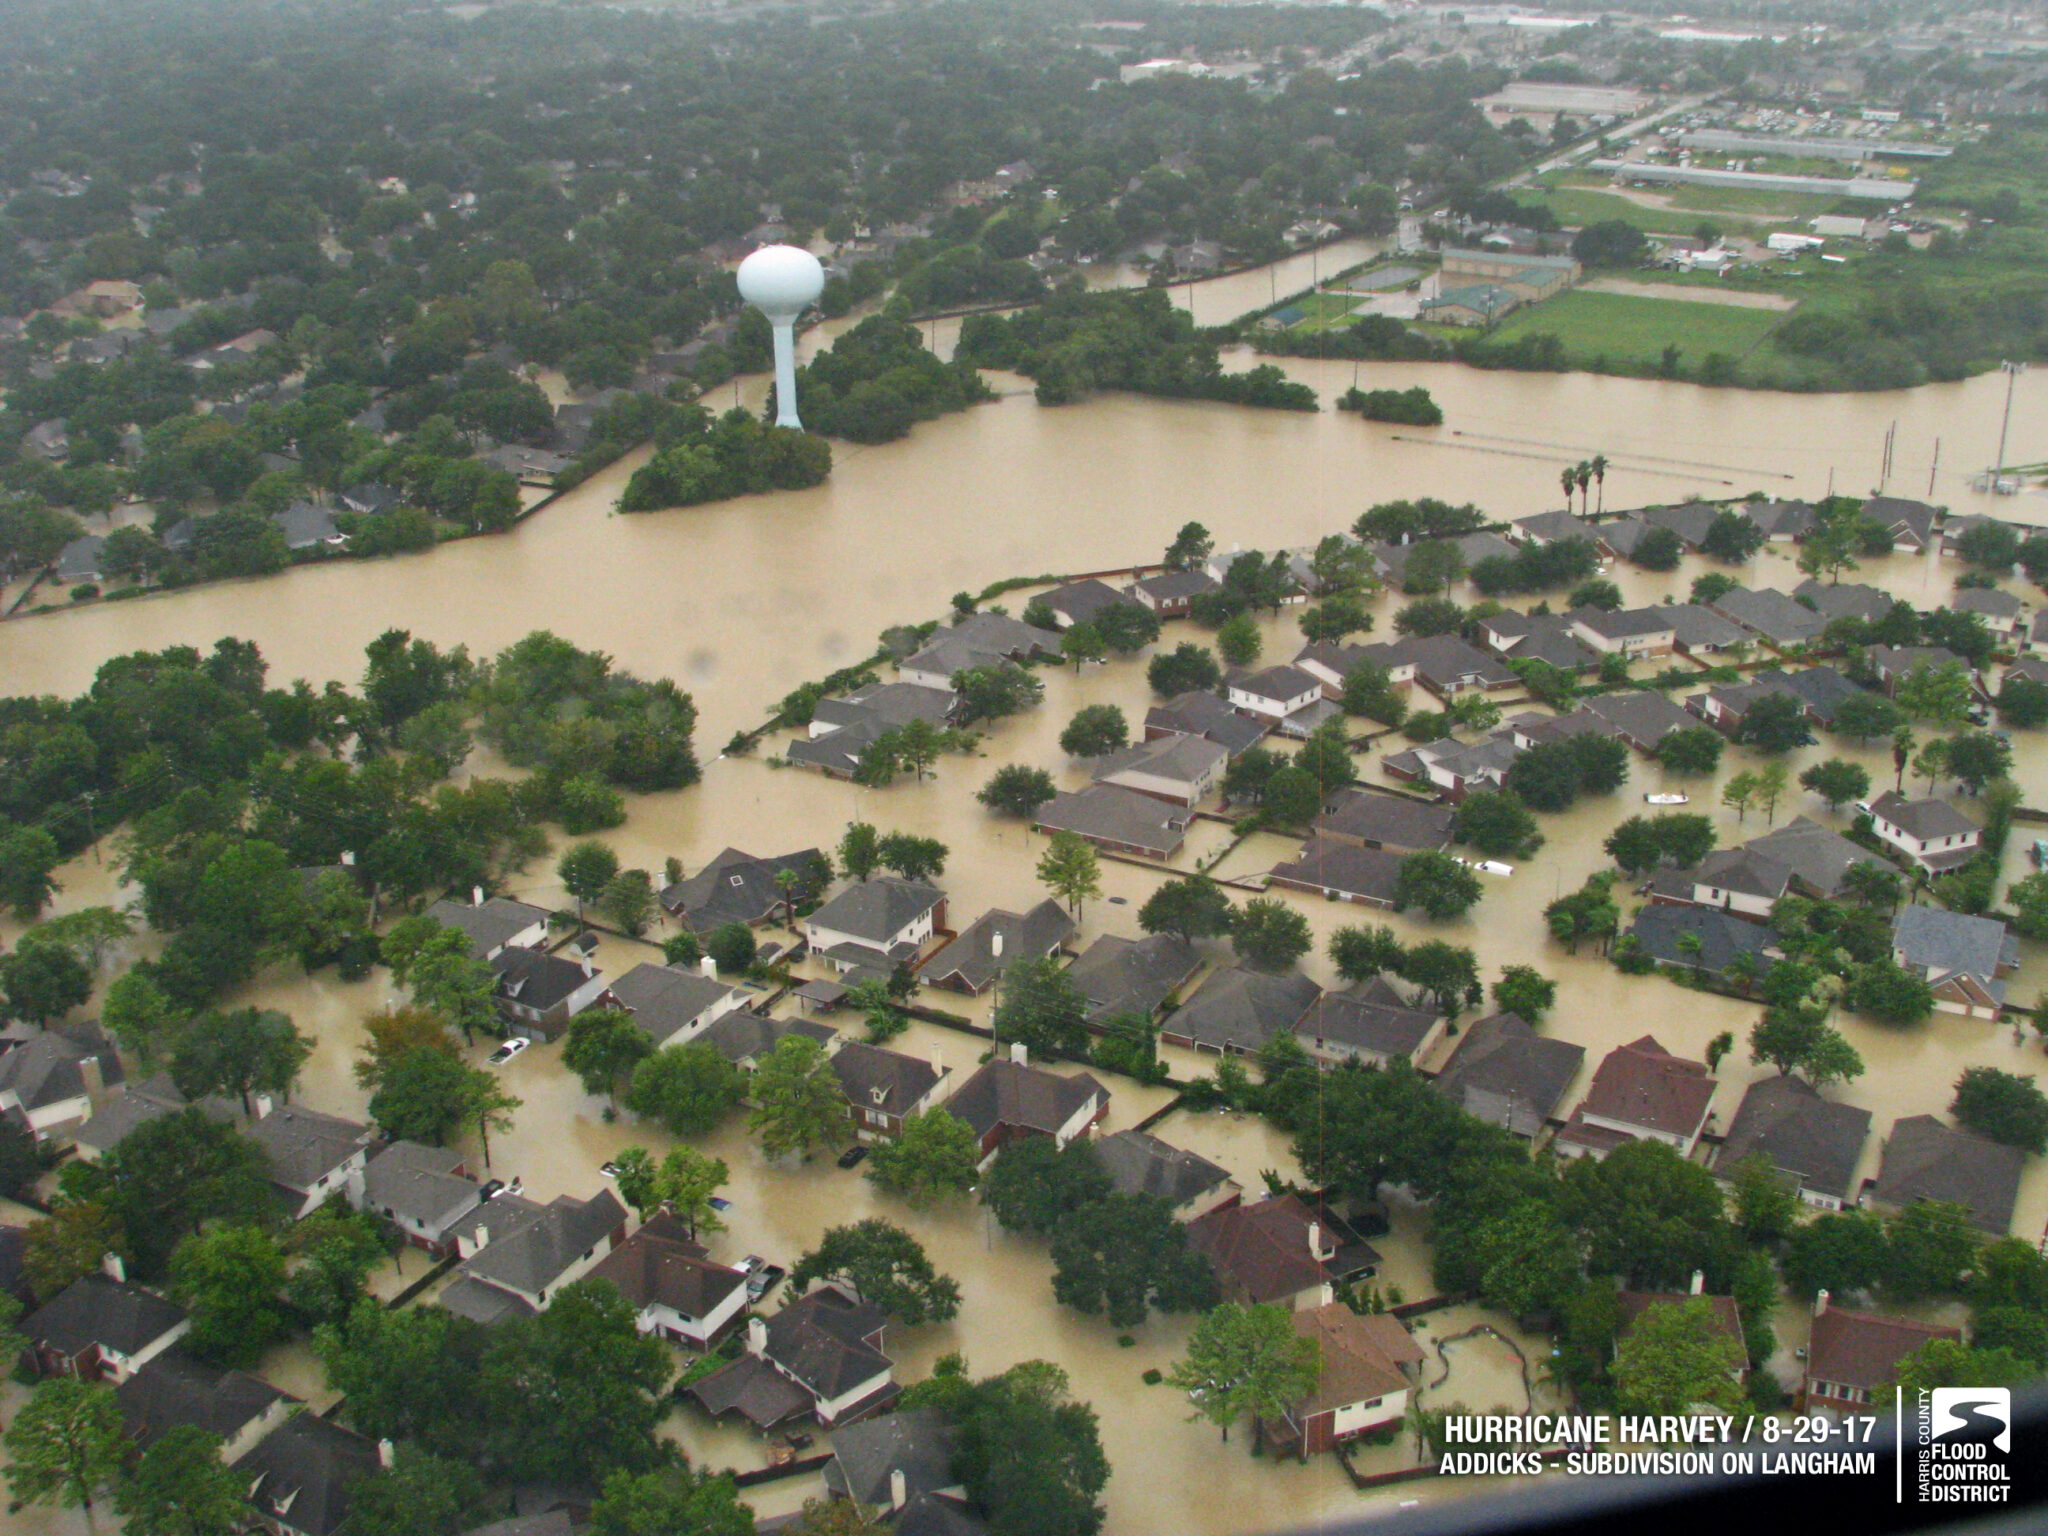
(780, 281)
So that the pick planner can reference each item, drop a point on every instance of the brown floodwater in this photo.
(744, 600)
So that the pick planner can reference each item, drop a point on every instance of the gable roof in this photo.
(828, 1342)
(1109, 813)
(1277, 683)
(658, 1266)
(52, 1066)
(1142, 1164)
(498, 921)
(305, 1146)
(1814, 1140)
(1029, 1098)
(874, 1078)
(1945, 943)
(1694, 626)
(1207, 716)
(1862, 1349)
(416, 1180)
(1642, 1084)
(1814, 854)
(1364, 1021)
(877, 910)
(1365, 1356)
(1183, 760)
(533, 1257)
(1503, 1066)
(1392, 821)
(1624, 623)
(666, 998)
(1240, 1009)
(1175, 586)
(746, 1035)
(1659, 926)
(1552, 526)
(918, 1442)
(1643, 715)
(1689, 520)
(1844, 600)
(302, 1473)
(1926, 1160)
(126, 1110)
(996, 938)
(1080, 601)
(1373, 874)
(1262, 1248)
(1120, 975)
(115, 1314)
(536, 980)
(1771, 614)
(1924, 819)
(1989, 601)
(1822, 690)
(174, 1389)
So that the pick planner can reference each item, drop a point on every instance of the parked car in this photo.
(851, 1157)
(609, 1170)
(508, 1050)
(763, 1280)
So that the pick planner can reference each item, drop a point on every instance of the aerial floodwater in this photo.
(743, 600)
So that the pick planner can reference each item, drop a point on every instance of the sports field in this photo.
(1630, 332)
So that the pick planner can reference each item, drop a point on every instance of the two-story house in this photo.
(1640, 1092)
(1932, 833)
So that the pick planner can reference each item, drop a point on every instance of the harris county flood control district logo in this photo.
(1962, 1441)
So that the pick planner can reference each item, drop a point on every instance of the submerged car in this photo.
(508, 1050)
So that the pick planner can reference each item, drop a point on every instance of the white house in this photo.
(878, 922)
(1932, 833)
(1275, 693)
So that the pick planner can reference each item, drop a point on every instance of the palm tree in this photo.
(1584, 475)
(1599, 468)
(1568, 477)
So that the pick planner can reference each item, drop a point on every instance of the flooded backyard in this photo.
(744, 600)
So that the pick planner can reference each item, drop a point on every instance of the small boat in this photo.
(1668, 799)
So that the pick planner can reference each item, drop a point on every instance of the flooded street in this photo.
(742, 601)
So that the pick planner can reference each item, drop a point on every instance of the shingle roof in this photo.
(535, 980)
(753, 1388)
(1642, 1084)
(918, 1442)
(1030, 1098)
(1183, 760)
(1373, 874)
(1261, 1248)
(1725, 1316)
(823, 1340)
(656, 1267)
(1861, 1349)
(1504, 1071)
(996, 938)
(665, 998)
(419, 1181)
(1205, 715)
(532, 1258)
(1362, 1021)
(1278, 684)
(737, 887)
(1926, 1160)
(1815, 1141)
(1924, 819)
(1659, 926)
(302, 1472)
(50, 1067)
(1141, 1164)
(1644, 716)
(1690, 520)
(1771, 614)
(1845, 600)
(93, 1310)
(877, 910)
(1240, 1009)
(1822, 690)
(1697, 627)
(496, 922)
(173, 1389)
(1947, 943)
(305, 1146)
(1815, 854)
(874, 1078)
(1109, 813)
(1080, 601)
(1363, 1356)
(1624, 623)
(1551, 526)
(746, 1035)
(1390, 821)
(1174, 586)
(1120, 975)
(1988, 601)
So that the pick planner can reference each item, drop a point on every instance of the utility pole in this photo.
(1933, 468)
(2012, 374)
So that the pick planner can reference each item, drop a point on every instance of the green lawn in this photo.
(1632, 333)
(1324, 311)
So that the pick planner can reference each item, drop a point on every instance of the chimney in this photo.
(1699, 1282)
(757, 1336)
(348, 858)
(1315, 1238)
(708, 967)
(262, 1104)
(995, 943)
(583, 959)
(385, 1456)
(899, 1488)
(112, 1267)
(938, 1063)
(1020, 1053)
(476, 895)
(1820, 1302)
